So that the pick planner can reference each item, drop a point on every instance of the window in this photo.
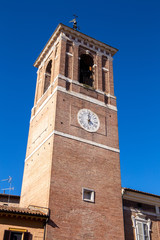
(88, 195)
(47, 80)
(141, 226)
(142, 231)
(86, 70)
(16, 234)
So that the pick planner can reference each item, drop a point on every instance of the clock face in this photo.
(88, 120)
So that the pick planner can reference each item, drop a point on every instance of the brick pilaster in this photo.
(111, 84)
(62, 55)
(75, 74)
(99, 71)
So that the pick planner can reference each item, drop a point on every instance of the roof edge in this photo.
(57, 31)
(141, 192)
(22, 211)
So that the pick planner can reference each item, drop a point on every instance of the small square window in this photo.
(88, 195)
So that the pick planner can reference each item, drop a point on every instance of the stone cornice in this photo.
(66, 135)
(140, 197)
(73, 36)
(78, 95)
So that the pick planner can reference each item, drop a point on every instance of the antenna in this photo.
(9, 180)
(74, 20)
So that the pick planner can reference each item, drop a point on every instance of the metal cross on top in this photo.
(74, 20)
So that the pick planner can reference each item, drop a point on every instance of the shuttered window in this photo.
(7, 235)
(16, 235)
(142, 231)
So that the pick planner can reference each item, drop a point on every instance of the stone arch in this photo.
(86, 69)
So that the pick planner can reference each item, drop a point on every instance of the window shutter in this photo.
(145, 229)
(7, 235)
(27, 236)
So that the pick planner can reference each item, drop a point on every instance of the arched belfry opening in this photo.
(47, 80)
(86, 70)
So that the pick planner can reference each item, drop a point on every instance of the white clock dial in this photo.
(88, 120)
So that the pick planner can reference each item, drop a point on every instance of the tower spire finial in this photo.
(74, 20)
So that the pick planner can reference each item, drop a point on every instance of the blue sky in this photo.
(131, 26)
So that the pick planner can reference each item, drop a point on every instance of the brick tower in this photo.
(72, 160)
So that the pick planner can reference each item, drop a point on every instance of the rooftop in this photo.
(31, 211)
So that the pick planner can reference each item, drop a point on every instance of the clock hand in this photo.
(88, 117)
(89, 120)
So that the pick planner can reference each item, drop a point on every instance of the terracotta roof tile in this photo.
(24, 211)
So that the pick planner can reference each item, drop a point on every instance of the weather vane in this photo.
(74, 20)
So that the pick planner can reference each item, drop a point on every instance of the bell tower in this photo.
(72, 160)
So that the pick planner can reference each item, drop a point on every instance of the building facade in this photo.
(71, 185)
(18, 223)
(141, 215)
